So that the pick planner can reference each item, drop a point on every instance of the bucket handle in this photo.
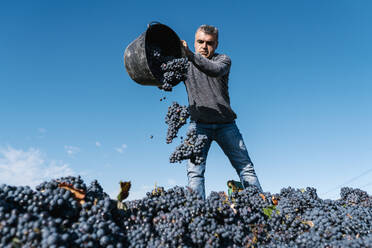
(152, 23)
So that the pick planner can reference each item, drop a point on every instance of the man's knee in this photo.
(240, 159)
(195, 171)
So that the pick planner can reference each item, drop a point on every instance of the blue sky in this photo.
(300, 84)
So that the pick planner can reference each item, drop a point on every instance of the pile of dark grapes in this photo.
(52, 216)
(168, 69)
(176, 117)
(191, 148)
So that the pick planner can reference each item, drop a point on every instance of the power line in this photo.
(349, 181)
(368, 184)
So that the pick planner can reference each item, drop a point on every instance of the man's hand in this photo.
(184, 44)
(186, 48)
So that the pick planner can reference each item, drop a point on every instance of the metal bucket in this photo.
(136, 55)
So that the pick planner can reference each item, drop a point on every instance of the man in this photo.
(211, 113)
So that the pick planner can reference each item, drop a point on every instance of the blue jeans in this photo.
(230, 140)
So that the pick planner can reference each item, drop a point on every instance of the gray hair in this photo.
(208, 29)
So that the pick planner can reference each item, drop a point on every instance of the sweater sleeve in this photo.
(213, 68)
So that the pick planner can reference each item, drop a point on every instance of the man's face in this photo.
(205, 44)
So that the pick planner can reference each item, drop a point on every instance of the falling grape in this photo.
(176, 117)
(191, 148)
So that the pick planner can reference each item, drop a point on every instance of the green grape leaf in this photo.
(269, 211)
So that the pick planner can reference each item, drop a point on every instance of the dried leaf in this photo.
(309, 223)
(157, 190)
(124, 190)
(275, 201)
(232, 206)
(263, 196)
(251, 242)
(121, 205)
(16, 243)
(78, 193)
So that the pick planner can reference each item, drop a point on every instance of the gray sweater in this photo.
(207, 89)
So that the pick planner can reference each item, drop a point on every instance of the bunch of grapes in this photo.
(168, 69)
(191, 148)
(354, 196)
(54, 215)
(176, 117)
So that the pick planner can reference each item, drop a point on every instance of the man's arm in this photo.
(215, 68)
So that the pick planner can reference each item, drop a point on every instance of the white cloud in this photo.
(121, 148)
(98, 144)
(72, 150)
(42, 130)
(18, 167)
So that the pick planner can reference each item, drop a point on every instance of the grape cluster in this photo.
(356, 196)
(176, 117)
(191, 148)
(168, 69)
(53, 216)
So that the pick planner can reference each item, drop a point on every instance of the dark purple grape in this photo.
(178, 217)
(191, 148)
